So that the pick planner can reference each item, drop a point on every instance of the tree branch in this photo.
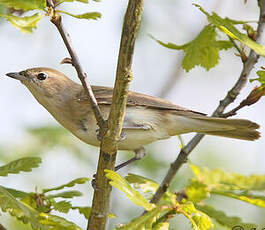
(108, 149)
(230, 97)
(57, 21)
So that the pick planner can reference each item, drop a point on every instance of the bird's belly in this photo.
(132, 140)
(141, 126)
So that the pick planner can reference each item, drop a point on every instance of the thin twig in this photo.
(230, 97)
(57, 21)
(108, 148)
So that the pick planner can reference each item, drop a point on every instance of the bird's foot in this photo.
(139, 154)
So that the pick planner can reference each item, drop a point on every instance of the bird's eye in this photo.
(41, 76)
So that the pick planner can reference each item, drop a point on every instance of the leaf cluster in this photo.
(204, 49)
(13, 11)
(37, 208)
(190, 201)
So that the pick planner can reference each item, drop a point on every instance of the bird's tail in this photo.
(240, 129)
(233, 128)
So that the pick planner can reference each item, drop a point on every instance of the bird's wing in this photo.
(104, 97)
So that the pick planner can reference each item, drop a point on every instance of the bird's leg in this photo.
(139, 154)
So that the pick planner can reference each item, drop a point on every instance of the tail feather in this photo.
(232, 128)
(243, 134)
(239, 128)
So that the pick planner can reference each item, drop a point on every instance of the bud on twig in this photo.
(254, 96)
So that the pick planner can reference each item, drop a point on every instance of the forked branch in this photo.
(229, 98)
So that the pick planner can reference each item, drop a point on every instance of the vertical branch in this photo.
(229, 98)
(109, 144)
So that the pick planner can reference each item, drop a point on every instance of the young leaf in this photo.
(72, 183)
(196, 191)
(120, 183)
(38, 221)
(223, 219)
(142, 221)
(202, 51)
(62, 206)
(198, 219)
(24, 164)
(90, 15)
(67, 194)
(162, 226)
(24, 24)
(19, 210)
(144, 184)
(261, 77)
(25, 4)
(227, 180)
(226, 26)
(57, 223)
(259, 201)
(18, 194)
(83, 210)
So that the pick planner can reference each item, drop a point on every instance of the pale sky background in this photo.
(97, 44)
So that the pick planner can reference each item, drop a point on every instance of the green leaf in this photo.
(19, 210)
(143, 222)
(226, 26)
(198, 219)
(261, 78)
(217, 178)
(67, 194)
(202, 51)
(120, 183)
(144, 184)
(223, 219)
(57, 223)
(90, 15)
(24, 24)
(18, 193)
(162, 226)
(196, 191)
(38, 221)
(62, 206)
(25, 4)
(259, 201)
(83, 210)
(24, 164)
(72, 183)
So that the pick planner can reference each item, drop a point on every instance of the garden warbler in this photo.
(147, 118)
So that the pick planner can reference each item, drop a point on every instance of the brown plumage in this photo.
(147, 118)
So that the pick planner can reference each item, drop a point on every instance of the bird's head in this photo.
(44, 82)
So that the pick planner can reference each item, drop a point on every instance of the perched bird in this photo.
(147, 118)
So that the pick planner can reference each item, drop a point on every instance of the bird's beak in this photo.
(17, 76)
